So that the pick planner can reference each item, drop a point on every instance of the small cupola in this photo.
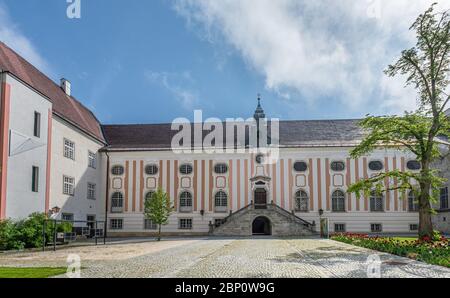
(259, 112)
(66, 86)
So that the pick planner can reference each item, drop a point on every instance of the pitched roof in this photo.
(320, 133)
(63, 105)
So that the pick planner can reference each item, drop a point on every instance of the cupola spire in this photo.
(259, 112)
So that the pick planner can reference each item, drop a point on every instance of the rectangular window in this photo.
(92, 159)
(413, 227)
(91, 191)
(116, 224)
(376, 204)
(37, 125)
(150, 225)
(35, 179)
(67, 216)
(69, 149)
(375, 228)
(339, 228)
(68, 185)
(444, 198)
(185, 224)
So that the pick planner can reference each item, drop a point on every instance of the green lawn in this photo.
(9, 272)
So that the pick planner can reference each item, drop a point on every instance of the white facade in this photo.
(25, 150)
(78, 205)
(318, 181)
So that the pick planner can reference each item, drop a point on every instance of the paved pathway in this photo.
(258, 257)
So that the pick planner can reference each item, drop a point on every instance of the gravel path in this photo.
(257, 257)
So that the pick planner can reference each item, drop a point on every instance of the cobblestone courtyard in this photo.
(221, 258)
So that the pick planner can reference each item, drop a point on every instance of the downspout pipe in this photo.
(107, 194)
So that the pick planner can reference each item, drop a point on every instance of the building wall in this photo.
(78, 205)
(319, 182)
(25, 150)
(441, 220)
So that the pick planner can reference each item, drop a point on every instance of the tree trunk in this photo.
(159, 233)
(425, 223)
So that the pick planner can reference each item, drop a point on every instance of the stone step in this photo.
(279, 222)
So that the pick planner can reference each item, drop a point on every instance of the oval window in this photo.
(300, 166)
(259, 159)
(338, 166)
(117, 170)
(220, 168)
(186, 169)
(376, 165)
(413, 165)
(151, 170)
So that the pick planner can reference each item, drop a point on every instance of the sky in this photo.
(140, 61)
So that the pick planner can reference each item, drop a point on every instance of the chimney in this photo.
(65, 85)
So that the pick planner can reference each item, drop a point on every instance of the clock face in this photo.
(259, 159)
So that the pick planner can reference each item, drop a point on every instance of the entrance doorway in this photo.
(260, 198)
(261, 226)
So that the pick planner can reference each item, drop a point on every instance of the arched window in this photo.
(413, 204)
(413, 165)
(186, 169)
(301, 201)
(221, 201)
(220, 168)
(338, 166)
(376, 202)
(185, 201)
(376, 165)
(151, 169)
(300, 166)
(117, 202)
(338, 201)
(149, 195)
(117, 170)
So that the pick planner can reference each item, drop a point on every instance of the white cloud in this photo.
(177, 84)
(11, 35)
(317, 49)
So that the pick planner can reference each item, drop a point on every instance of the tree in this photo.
(157, 209)
(421, 132)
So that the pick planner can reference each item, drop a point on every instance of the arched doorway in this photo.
(260, 198)
(261, 226)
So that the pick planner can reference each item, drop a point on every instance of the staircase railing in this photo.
(290, 214)
(232, 214)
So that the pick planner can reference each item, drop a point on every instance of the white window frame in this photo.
(338, 201)
(63, 215)
(183, 224)
(150, 225)
(114, 224)
(375, 224)
(186, 203)
(91, 191)
(68, 185)
(69, 149)
(301, 201)
(92, 160)
(340, 224)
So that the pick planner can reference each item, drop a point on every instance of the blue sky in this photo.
(152, 61)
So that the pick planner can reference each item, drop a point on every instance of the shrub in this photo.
(27, 233)
(9, 236)
(434, 252)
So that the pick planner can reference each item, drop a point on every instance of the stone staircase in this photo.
(282, 222)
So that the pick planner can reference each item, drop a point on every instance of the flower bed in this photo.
(436, 252)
